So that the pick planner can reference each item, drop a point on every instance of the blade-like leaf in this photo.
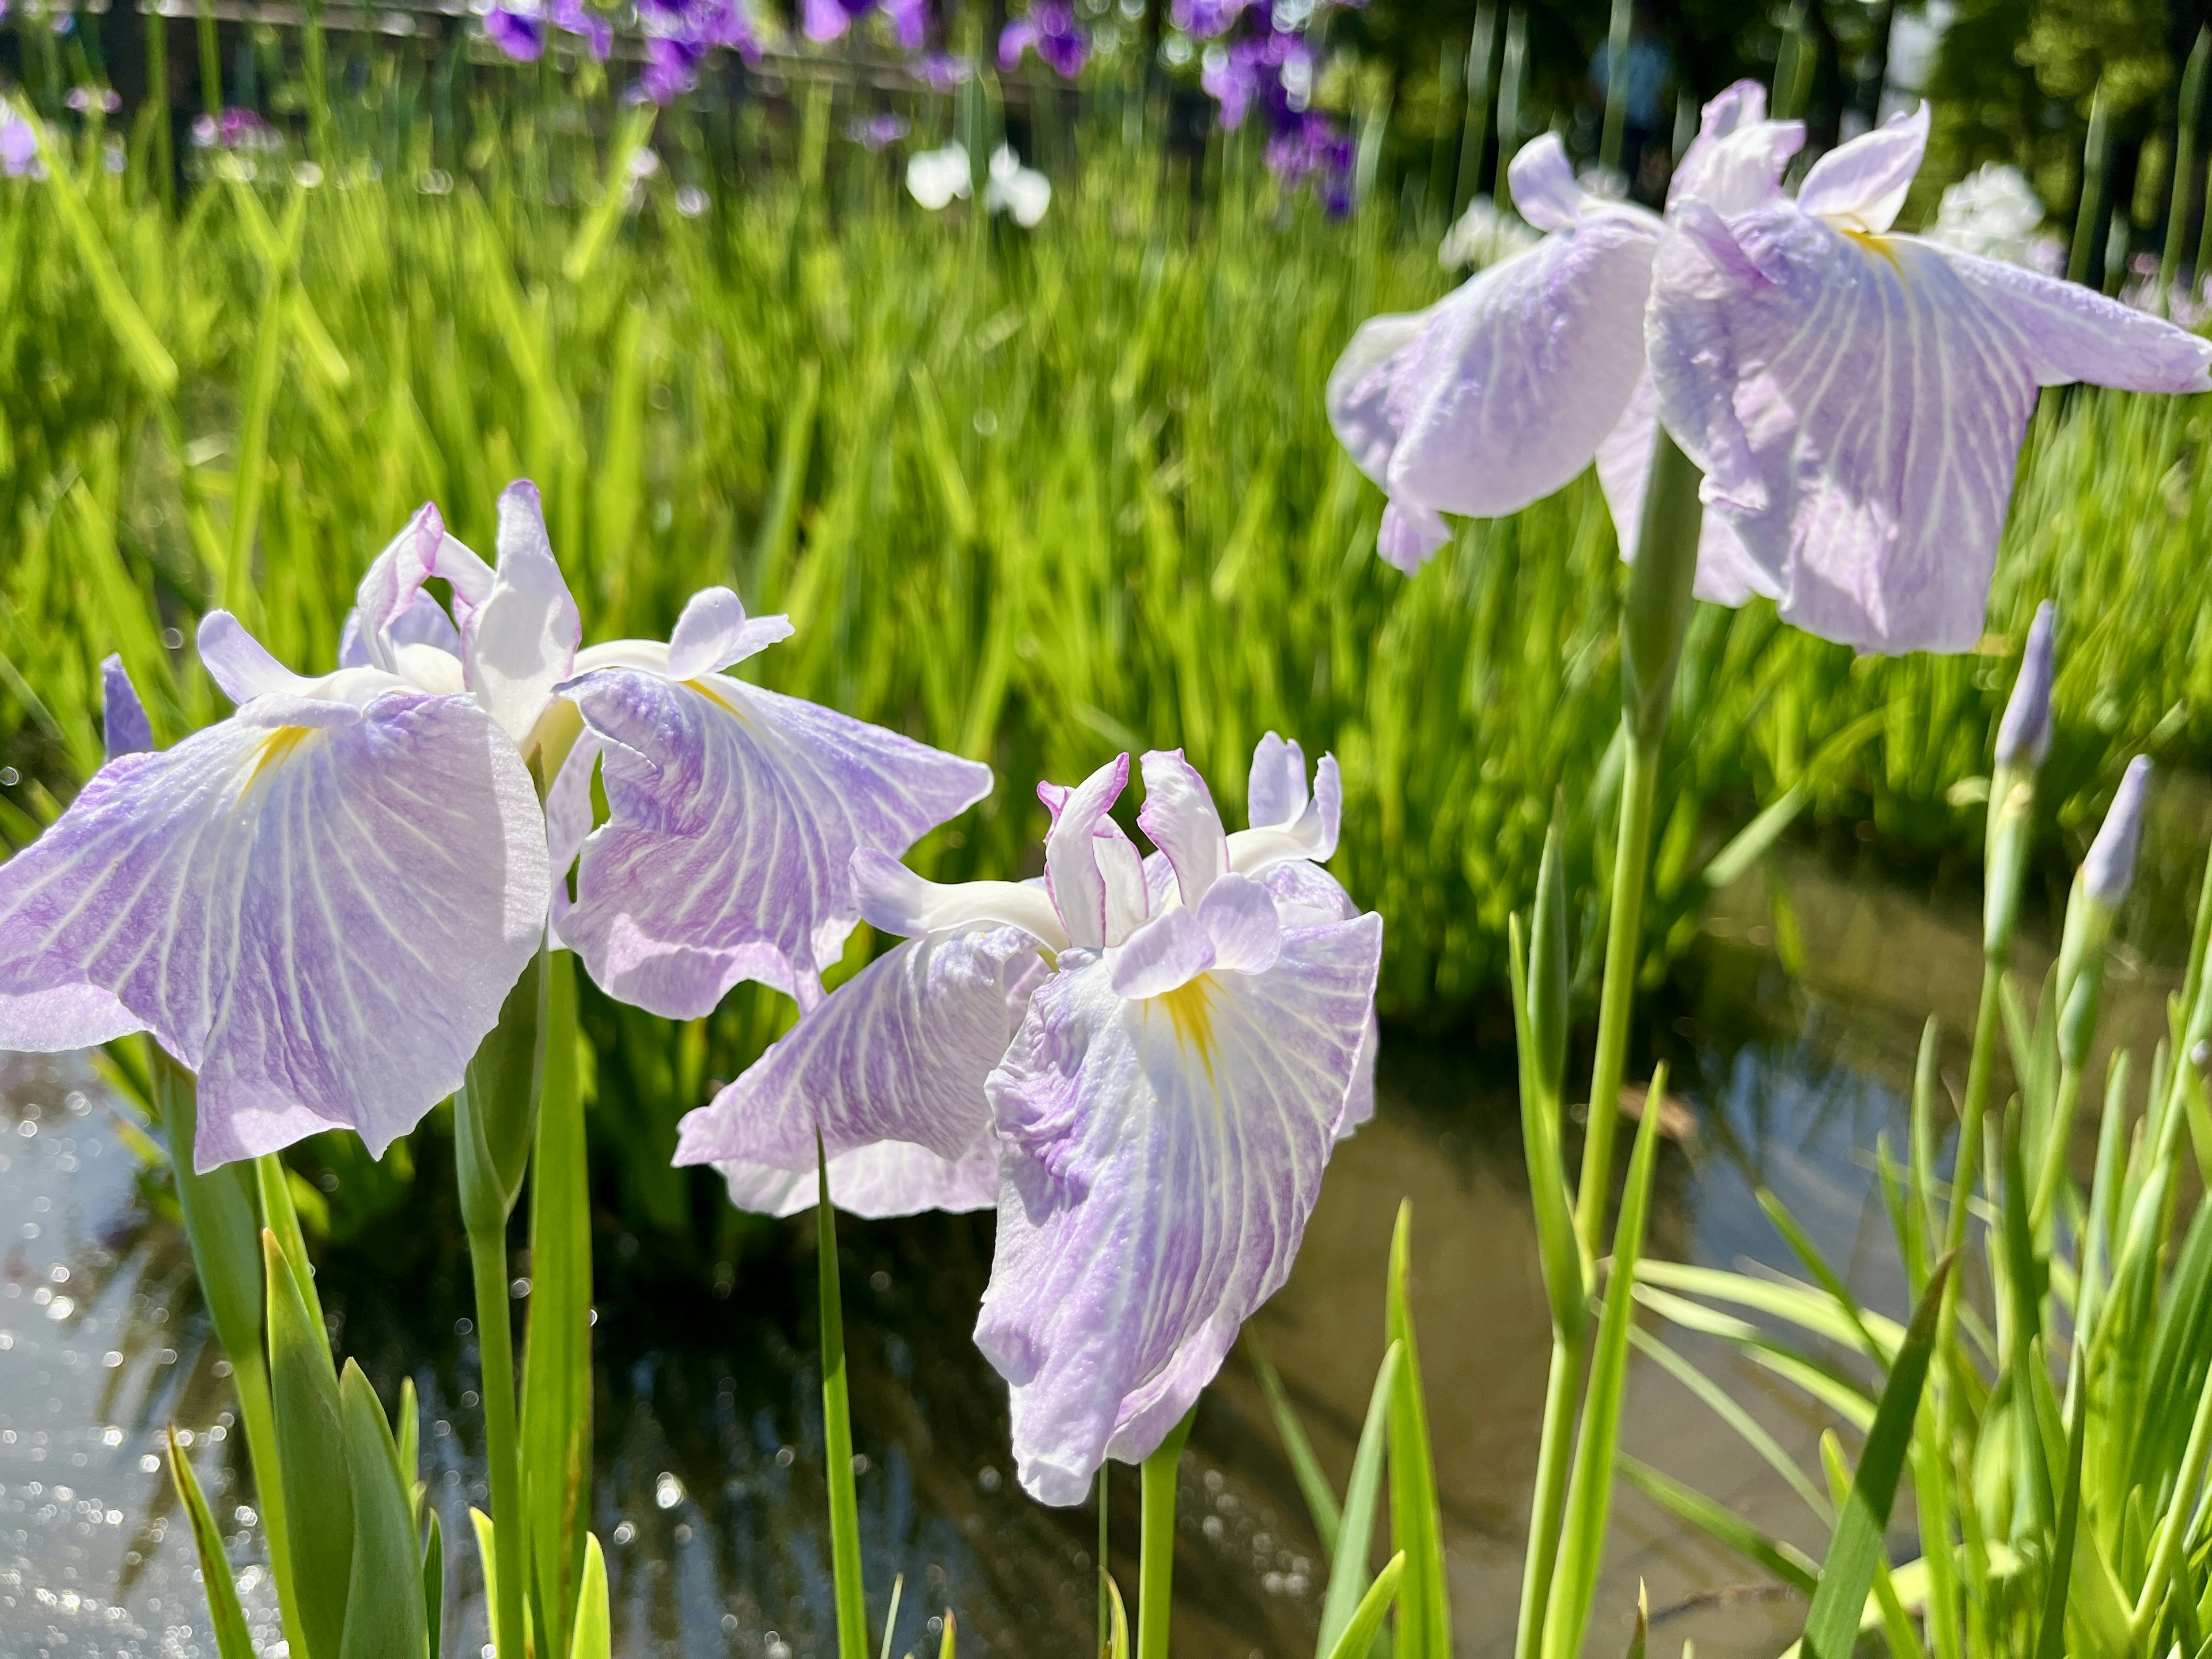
(433, 1580)
(280, 1216)
(837, 1432)
(310, 1452)
(1831, 1626)
(1800, 1304)
(1358, 1637)
(1416, 1520)
(1313, 1481)
(594, 1631)
(2050, 1640)
(1347, 1572)
(1786, 1561)
(384, 1616)
(233, 1640)
(890, 1618)
(1802, 1247)
(1748, 1428)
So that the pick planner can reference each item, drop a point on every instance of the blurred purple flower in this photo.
(19, 146)
(878, 131)
(519, 30)
(825, 20)
(519, 35)
(678, 35)
(1051, 31)
(1311, 149)
(940, 71)
(909, 21)
(1205, 18)
(85, 99)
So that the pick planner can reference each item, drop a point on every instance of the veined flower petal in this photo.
(899, 1053)
(1071, 875)
(1239, 918)
(240, 663)
(1179, 815)
(1163, 955)
(1311, 834)
(1409, 536)
(888, 1178)
(1364, 410)
(1860, 186)
(714, 633)
(1158, 1161)
(1735, 162)
(1545, 190)
(1727, 574)
(735, 815)
(1275, 788)
(390, 607)
(519, 642)
(321, 921)
(894, 899)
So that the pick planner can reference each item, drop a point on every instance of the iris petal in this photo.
(1860, 186)
(322, 922)
(1158, 1161)
(1179, 815)
(1727, 574)
(734, 816)
(714, 633)
(519, 643)
(1275, 789)
(124, 727)
(890, 1178)
(1071, 875)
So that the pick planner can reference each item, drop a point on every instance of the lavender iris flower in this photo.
(318, 903)
(1145, 1062)
(19, 145)
(2110, 869)
(878, 131)
(519, 30)
(1855, 399)
(678, 36)
(1051, 31)
(1203, 20)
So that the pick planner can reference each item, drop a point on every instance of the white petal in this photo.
(1860, 186)
(521, 641)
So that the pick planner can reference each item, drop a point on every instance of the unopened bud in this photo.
(2024, 734)
(2110, 869)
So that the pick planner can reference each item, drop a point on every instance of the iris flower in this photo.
(1856, 399)
(1144, 1062)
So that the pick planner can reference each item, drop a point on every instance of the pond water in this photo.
(709, 1493)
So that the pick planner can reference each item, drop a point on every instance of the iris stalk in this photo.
(1155, 1543)
(837, 1431)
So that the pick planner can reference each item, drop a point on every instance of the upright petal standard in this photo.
(1151, 1057)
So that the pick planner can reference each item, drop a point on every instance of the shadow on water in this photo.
(708, 1490)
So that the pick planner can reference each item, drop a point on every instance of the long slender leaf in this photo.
(311, 1445)
(1416, 1519)
(1347, 1572)
(594, 1633)
(1785, 1560)
(1831, 1626)
(1313, 1481)
(233, 1638)
(1358, 1637)
(1748, 1428)
(383, 1610)
(1800, 1304)
(837, 1431)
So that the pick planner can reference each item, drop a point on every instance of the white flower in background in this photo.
(1996, 213)
(937, 178)
(1484, 236)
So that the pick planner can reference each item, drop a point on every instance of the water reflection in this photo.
(708, 1490)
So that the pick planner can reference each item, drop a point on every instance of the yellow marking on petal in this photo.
(274, 750)
(1191, 1008)
(704, 686)
(1875, 244)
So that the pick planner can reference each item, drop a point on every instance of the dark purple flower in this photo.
(1205, 18)
(1310, 149)
(574, 17)
(520, 35)
(1051, 31)
(678, 35)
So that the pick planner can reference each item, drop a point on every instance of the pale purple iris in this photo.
(878, 131)
(1050, 30)
(1144, 1062)
(940, 71)
(1855, 399)
(825, 20)
(19, 145)
(519, 31)
(318, 903)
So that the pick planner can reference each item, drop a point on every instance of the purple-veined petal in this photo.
(1179, 815)
(520, 642)
(1275, 788)
(1239, 917)
(735, 813)
(1727, 574)
(1362, 410)
(2065, 332)
(1307, 896)
(714, 633)
(1544, 193)
(322, 922)
(1158, 1161)
(240, 663)
(1163, 955)
(63, 1017)
(897, 1053)
(1071, 875)
(888, 1178)
(1523, 370)
(1735, 162)
(1857, 409)
(124, 727)
(894, 899)
(1409, 536)
(390, 604)
(1860, 186)
(1313, 835)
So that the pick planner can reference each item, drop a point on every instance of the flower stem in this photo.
(1555, 1457)
(1624, 931)
(502, 1449)
(1105, 1595)
(837, 1433)
(1155, 1543)
(1976, 1101)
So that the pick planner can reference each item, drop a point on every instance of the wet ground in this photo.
(1791, 1029)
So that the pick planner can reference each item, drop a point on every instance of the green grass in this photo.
(1036, 498)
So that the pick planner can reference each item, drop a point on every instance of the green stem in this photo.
(1986, 1020)
(1155, 1543)
(502, 1445)
(837, 1436)
(211, 62)
(1555, 1457)
(2056, 1140)
(1105, 1595)
(257, 1414)
(1624, 930)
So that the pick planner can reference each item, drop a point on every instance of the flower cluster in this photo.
(1270, 67)
(1854, 399)
(518, 28)
(1050, 31)
(678, 36)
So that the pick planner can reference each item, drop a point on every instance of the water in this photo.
(709, 1493)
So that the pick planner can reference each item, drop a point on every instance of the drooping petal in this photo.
(1860, 186)
(240, 663)
(1163, 955)
(1179, 815)
(735, 813)
(1735, 162)
(124, 727)
(1857, 408)
(898, 1054)
(897, 901)
(1313, 835)
(888, 1178)
(2066, 332)
(1727, 574)
(1409, 536)
(520, 642)
(321, 921)
(1524, 369)
(714, 633)
(1070, 858)
(1545, 190)
(1158, 1161)
(1362, 410)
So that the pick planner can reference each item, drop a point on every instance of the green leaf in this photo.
(594, 1635)
(1642, 1631)
(2050, 1641)
(232, 1639)
(384, 1601)
(1559, 1251)
(1118, 1648)
(1832, 1625)
(891, 1617)
(1416, 1521)
(837, 1431)
(1802, 1247)
(1786, 1561)
(1313, 1481)
(1725, 1406)
(310, 1452)
(273, 1184)
(222, 1220)
(433, 1580)
(1347, 1570)
(408, 1432)
(1800, 1304)
(1358, 1637)
(494, 1109)
(557, 1356)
